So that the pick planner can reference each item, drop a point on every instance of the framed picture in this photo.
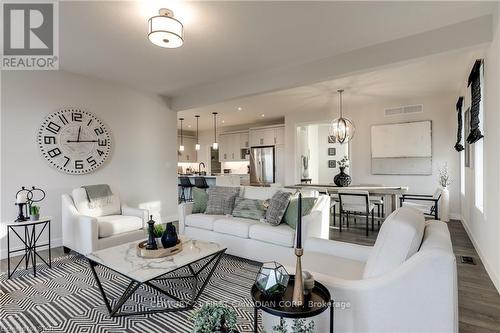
(332, 164)
(332, 139)
(332, 151)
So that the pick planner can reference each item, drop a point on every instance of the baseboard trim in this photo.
(491, 273)
(455, 216)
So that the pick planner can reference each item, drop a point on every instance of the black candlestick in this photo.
(299, 222)
(151, 245)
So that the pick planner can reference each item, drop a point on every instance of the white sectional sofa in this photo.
(250, 238)
(406, 282)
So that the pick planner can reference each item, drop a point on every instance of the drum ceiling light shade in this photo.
(342, 129)
(165, 30)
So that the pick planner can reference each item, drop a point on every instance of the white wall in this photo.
(142, 167)
(483, 225)
(440, 109)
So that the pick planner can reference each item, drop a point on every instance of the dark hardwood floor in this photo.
(478, 299)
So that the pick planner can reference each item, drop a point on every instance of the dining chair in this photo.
(356, 203)
(379, 202)
(426, 203)
(333, 204)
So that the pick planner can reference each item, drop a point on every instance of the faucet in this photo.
(199, 167)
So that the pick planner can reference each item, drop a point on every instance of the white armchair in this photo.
(86, 230)
(406, 282)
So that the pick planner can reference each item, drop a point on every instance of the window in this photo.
(479, 153)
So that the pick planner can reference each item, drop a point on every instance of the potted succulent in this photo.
(34, 213)
(158, 231)
(214, 318)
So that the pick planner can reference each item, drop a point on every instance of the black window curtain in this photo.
(474, 83)
(458, 145)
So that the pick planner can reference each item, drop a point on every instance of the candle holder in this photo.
(25, 199)
(298, 288)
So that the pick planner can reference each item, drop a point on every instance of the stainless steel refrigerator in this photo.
(262, 166)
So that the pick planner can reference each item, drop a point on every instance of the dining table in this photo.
(376, 190)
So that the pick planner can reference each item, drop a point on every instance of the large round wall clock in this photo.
(74, 141)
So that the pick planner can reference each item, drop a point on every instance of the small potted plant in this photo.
(159, 229)
(34, 213)
(298, 326)
(214, 318)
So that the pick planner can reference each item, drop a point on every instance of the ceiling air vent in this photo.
(404, 110)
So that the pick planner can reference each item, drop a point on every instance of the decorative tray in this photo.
(160, 253)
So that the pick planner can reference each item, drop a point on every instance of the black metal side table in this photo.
(29, 240)
(318, 301)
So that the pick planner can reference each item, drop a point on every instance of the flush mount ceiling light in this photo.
(165, 30)
(342, 129)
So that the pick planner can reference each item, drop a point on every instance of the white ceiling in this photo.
(434, 75)
(230, 39)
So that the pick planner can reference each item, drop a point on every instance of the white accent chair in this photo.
(406, 282)
(86, 229)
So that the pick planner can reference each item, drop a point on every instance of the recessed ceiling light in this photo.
(223, 121)
(240, 108)
(189, 126)
(262, 115)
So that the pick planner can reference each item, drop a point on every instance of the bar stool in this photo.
(185, 183)
(201, 182)
(356, 203)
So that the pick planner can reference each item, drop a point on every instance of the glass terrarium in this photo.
(272, 280)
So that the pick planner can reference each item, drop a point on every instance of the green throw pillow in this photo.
(249, 208)
(291, 213)
(200, 199)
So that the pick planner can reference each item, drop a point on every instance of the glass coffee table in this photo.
(190, 269)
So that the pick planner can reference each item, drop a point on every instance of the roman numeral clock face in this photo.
(74, 141)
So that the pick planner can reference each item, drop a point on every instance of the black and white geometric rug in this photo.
(65, 299)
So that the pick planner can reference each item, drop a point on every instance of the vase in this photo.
(34, 217)
(342, 179)
(305, 174)
(444, 208)
(169, 237)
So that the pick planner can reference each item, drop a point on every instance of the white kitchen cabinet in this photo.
(230, 146)
(189, 154)
(279, 135)
(267, 136)
(262, 137)
(244, 140)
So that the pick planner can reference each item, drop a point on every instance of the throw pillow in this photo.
(249, 208)
(221, 200)
(291, 214)
(200, 199)
(277, 207)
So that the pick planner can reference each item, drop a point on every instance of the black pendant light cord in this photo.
(182, 136)
(215, 126)
(197, 136)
